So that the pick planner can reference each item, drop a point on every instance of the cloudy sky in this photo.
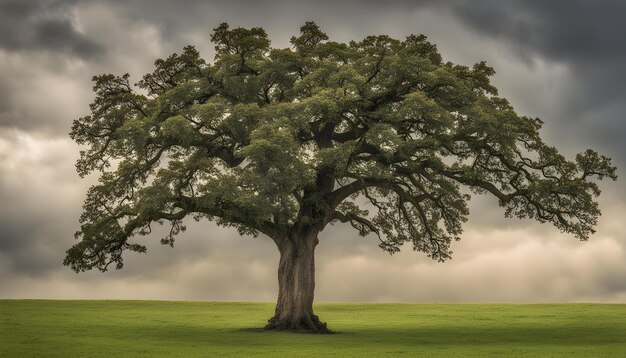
(563, 61)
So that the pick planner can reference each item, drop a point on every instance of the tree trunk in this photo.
(296, 285)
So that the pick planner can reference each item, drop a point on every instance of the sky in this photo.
(562, 61)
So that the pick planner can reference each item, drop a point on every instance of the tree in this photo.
(283, 142)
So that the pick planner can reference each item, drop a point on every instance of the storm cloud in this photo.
(43, 26)
(588, 36)
(561, 61)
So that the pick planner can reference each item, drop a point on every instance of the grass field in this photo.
(213, 329)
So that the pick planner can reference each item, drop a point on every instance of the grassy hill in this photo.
(223, 329)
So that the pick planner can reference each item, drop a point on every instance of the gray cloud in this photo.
(40, 201)
(42, 25)
(572, 31)
(41, 93)
(41, 52)
(44, 80)
(588, 36)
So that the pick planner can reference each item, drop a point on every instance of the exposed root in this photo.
(306, 324)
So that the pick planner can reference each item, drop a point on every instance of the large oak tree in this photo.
(284, 141)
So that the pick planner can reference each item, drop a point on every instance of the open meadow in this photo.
(223, 329)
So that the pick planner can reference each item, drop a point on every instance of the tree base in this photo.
(308, 324)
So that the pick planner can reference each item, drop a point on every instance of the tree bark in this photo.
(296, 286)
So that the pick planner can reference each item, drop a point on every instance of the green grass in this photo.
(213, 329)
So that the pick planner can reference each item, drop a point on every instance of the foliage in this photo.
(280, 140)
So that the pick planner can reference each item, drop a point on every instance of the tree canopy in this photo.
(381, 134)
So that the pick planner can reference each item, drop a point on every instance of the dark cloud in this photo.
(587, 36)
(556, 60)
(572, 31)
(41, 94)
(42, 25)
(5, 100)
(39, 205)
